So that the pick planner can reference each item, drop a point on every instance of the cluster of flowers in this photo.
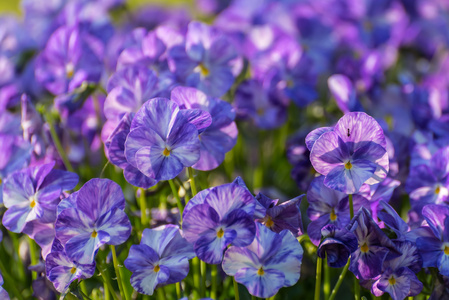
(156, 92)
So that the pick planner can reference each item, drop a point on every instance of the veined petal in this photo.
(263, 286)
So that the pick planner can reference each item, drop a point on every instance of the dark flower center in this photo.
(156, 268)
(437, 190)
(269, 223)
(446, 250)
(220, 233)
(333, 216)
(73, 270)
(364, 248)
(260, 272)
(392, 280)
(203, 70)
(94, 234)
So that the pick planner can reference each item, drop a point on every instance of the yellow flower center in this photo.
(69, 70)
(364, 248)
(260, 272)
(333, 216)
(269, 223)
(156, 268)
(348, 165)
(220, 233)
(392, 280)
(33, 203)
(437, 190)
(260, 111)
(94, 234)
(166, 152)
(203, 70)
(73, 270)
(446, 250)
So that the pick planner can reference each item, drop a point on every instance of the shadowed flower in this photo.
(337, 245)
(218, 217)
(161, 258)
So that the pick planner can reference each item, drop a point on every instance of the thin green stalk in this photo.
(356, 289)
(214, 276)
(351, 207)
(192, 182)
(176, 195)
(108, 283)
(203, 278)
(178, 290)
(161, 293)
(340, 280)
(83, 288)
(327, 280)
(117, 273)
(57, 143)
(319, 266)
(107, 296)
(33, 256)
(196, 277)
(236, 289)
(10, 281)
(143, 208)
(16, 244)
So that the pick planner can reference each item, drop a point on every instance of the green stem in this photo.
(10, 281)
(236, 289)
(327, 280)
(143, 208)
(203, 278)
(178, 290)
(196, 276)
(176, 195)
(192, 182)
(161, 293)
(33, 256)
(83, 288)
(16, 244)
(108, 283)
(107, 296)
(340, 280)
(57, 143)
(356, 289)
(117, 272)
(214, 276)
(351, 207)
(319, 265)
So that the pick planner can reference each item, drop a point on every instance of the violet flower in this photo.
(280, 216)
(270, 262)
(217, 139)
(435, 249)
(62, 270)
(218, 217)
(398, 277)
(33, 194)
(328, 206)
(351, 153)
(161, 258)
(93, 217)
(337, 245)
(163, 140)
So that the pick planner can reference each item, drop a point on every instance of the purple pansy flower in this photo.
(337, 245)
(280, 216)
(328, 206)
(93, 217)
(270, 262)
(67, 61)
(161, 258)
(344, 93)
(207, 61)
(163, 140)
(351, 153)
(217, 139)
(218, 217)
(435, 249)
(62, 270)
(398, 277)
(428, 184)
(33, 194)
(3, 293)
(374, 245)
